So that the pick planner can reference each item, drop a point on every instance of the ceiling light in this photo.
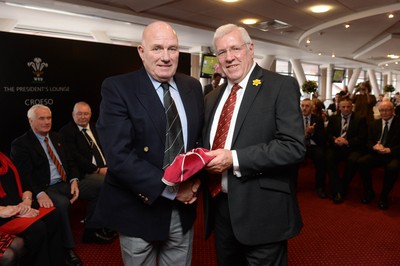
(393, 56)
(308, 41)
(319, 53)
(249, 21)
(347, 26)
(230, 1)
(333, 55)
(396, 63)
(320, 8)
(390, 15)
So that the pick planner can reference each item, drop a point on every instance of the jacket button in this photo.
(146, 149)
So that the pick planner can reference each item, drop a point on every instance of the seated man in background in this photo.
(41, 155)
(81, 140)
(346, 136)
(384, 150)
(315, 143)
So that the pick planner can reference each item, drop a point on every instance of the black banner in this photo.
(57, 73)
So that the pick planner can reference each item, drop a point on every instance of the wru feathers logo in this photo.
(37, 65)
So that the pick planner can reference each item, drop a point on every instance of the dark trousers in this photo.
(317, 155)
(335, 155)
(60, 194)
(391, 165)
(43, 244)
(231, 252)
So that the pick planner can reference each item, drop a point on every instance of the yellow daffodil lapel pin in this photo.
(256, 82)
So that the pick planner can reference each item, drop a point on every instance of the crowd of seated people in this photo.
(48, 171)
(355, 142)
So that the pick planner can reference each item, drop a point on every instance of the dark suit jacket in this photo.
(208, 88)
(319, 130)
(269, 141)
(357, 131)
(79, 148)
(32, 163)
(393, 136)
(131, 127)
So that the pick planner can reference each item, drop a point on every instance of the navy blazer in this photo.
(79, 147)
(32, 163)
(131, 128)
(269, 141)
(393, 136)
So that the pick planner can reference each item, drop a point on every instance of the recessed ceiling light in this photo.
(320, 8)
(390, 15)
(393, 56)
(308, 41)
(347, 26)
(230, 1)
(319, 53)
(396, 63)
(333, 55)
(249, 21)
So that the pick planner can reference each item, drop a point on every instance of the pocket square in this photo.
(186, 165)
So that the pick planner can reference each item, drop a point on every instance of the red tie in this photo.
(220, 135)
(53, 157)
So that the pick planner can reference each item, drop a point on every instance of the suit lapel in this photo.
(36, 144)
(211, 101)
(151, 102)
(252, 89)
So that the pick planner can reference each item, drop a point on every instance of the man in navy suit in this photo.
(155, 221)
(80, 138)
(346, 136)
(383, 150)
(256, 211)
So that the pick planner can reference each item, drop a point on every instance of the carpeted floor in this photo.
(347, 234)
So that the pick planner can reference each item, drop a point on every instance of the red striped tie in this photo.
(221, 134)
(53, 157)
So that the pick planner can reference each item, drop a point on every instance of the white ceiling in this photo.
(368, 41)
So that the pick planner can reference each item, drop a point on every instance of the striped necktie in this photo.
(174, 137)
(214, 183)
(344, 127)
(53, 157)
(385, 133)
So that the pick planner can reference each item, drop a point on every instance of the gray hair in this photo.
(32, 111)
(228, 28)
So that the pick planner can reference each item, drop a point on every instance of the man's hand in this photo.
(29, 213)
(187, 192)
(223, 161)
(9, 211)
(74, 191)
(45, 201)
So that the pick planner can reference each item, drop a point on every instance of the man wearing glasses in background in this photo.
(384, 150)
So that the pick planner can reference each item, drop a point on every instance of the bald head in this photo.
(159, 51)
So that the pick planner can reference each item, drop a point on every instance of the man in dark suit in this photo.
(216, 79)
(255, 211)
(384, 150)
(41, 156)
(155, 221)
(315, 144)
(82, 142)
(346, 136)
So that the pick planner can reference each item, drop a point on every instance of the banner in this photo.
(57, 73)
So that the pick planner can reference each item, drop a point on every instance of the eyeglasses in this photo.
(385, 110)
(82, 114)
(235, 50)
